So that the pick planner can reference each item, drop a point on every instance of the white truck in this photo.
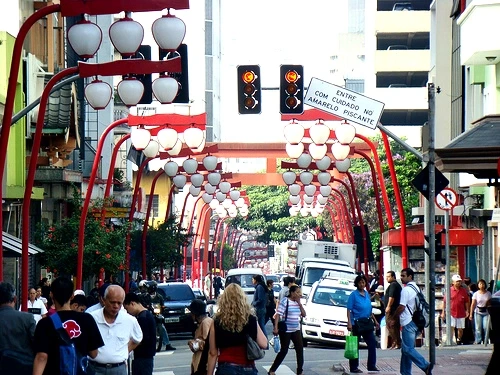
(316, 257)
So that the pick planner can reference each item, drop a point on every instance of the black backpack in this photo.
(421, 314)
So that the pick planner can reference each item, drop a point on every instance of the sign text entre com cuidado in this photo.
(347, 104)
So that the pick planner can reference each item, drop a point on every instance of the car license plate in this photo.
(172, 320)
(336, 332)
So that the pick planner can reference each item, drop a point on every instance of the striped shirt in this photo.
(293, 315)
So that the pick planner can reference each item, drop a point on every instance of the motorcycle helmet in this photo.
(152, 287)
(143, 285)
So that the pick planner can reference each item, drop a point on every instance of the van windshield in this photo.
(245, 281)
(312, 274)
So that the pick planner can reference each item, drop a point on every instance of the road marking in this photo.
(282, 370)
(161, 354)
(164, 373)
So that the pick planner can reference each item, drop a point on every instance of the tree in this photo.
(104, 244)
(269, 217)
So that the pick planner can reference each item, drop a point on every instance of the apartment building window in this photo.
(155, 205)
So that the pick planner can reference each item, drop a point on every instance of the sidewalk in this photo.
(472, 360)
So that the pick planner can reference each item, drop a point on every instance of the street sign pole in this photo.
(447, 276)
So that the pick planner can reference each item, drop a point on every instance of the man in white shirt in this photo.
(36, 306)
(410, 330)
(120, 331)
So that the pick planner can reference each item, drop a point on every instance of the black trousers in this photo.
(285, 338)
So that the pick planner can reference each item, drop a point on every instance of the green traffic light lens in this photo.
(291, 102)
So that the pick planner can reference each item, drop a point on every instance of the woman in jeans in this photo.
(478, 310)
(292, 309)
(359, 308)
(228, 334)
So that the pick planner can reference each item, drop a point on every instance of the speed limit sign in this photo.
(446, 199)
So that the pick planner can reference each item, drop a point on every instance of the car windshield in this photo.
(275, 278)
(312, 274)
(179, 292)
(245, 281)
(331, 296)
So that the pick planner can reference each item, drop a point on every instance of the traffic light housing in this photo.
(270, 251)
(183, 76)
(144, 52)
(291, 89)
(249, 89)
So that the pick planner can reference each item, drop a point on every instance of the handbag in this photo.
(351, 347)
(276, 344)
(254, 352)
(365, 324)
(282, 327)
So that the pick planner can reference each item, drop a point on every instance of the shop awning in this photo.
(15, 244)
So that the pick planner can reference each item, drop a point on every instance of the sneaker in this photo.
(169, 347)
(357, 371)
(373, 369)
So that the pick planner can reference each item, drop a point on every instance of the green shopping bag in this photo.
(351, 347)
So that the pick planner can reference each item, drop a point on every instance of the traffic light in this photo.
(249, 89)
(270, 251)
(144, 52)
(439, 248)
(183, 77)
(291, 89)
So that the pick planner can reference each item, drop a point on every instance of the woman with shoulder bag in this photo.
(479, 309)
(362, 322)
(232, 323)
(289, 312)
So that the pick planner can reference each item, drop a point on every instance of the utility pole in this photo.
(430, 244)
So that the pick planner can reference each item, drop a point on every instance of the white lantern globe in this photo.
(306, 177)
(345, 133)
(244, 212)
(210, 162)
(294, 189)
(179, 181)
(319, 133)
(340, 151)
(308, 199)
(193, 137)
(165, 89)
(304, 211)
(194, 190)
(304, 160)
(324, 178)
(321, 199)
(190, 165)
(151, 150)
(126, 35)
(294, 151)
(209, 188)
(214, 178)
(289, 177)
(293, 211)
(239, 202)
(214, 204)
(221, 211)
(319, 209)
(168, 32)
(140, 137)
(324, 163)
(224, 187)
(168, 138)
(174, 151)
(235, 195)
(325, 190)
(343, 165)
(226, 203)
(233, 214)
(171, 168)
(294, 199)
(130, 91)
(98, 94)
(85, 38)
(294, 132)
(201, 147)
(207, 198)
(310, 190)
(317, 151)
(197, 179)
(314, 213)
(220, 196)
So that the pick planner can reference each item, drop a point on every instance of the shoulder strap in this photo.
(59, 329)
(56, 320)
(286, 310)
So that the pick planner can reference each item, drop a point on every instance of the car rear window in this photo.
(178, 292)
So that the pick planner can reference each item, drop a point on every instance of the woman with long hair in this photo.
(228, 334)
(290, 311)
(479, 311)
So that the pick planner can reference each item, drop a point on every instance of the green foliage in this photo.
(103, 244)
(269, 217)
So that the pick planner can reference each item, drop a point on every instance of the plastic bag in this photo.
(351, 347)
(276, 344)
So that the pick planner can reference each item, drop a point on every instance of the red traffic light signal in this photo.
(249, 89)
(291, 89)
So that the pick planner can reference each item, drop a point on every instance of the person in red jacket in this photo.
(459, 307)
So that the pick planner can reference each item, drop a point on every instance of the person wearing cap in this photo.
(459, 307)
(198, 310)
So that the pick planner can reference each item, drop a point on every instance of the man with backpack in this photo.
(77, 337)
(407, 306)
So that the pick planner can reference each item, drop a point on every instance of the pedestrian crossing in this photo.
(282, 370)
